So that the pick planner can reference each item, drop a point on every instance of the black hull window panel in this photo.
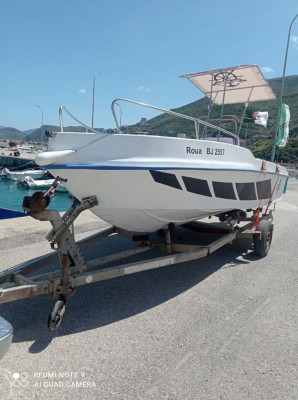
(166, 179)
(264, 189)
(246, 191)
(224, 190)
(197, 186)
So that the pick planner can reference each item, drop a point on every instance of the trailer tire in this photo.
(262, 245)
(56, 316)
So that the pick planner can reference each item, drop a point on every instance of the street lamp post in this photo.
(93, 93)
(41, 124)
(281, 91)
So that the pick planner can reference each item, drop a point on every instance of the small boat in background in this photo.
(29, 183)
(17, 175)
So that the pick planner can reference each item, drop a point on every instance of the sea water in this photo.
(11, 196)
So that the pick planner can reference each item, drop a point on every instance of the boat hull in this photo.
(143, 183)
(148, 200)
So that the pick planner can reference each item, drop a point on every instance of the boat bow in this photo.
(51, 157)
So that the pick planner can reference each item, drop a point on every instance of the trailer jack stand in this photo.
(69, 254)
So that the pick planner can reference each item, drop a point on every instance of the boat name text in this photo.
(209, 151)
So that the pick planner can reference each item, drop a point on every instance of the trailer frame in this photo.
(24, 281)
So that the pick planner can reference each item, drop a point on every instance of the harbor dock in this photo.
(9, 160)
(221, 327)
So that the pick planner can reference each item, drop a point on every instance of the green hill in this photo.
(11, 133)
(288, 154)
(258, 138)
(35, 135)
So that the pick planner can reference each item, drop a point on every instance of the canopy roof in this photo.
(241, 84)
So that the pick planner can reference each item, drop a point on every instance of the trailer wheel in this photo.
(262, 245)
(56, 315)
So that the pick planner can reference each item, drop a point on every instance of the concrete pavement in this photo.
(223, 327)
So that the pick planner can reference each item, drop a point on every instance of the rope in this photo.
(270, 200)
(93, 141)
(264, 168)
(23, 165)
(271, 196)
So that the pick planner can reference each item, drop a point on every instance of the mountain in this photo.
(36, 135)
(11, 133)
(29, 131)
(258, 138)
(33, 135)
(165, 123)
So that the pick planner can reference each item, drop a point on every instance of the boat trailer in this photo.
(26, 280)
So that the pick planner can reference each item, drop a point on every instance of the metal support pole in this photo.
(209, 108)
(41, 125)
(93, 93)
(281, 92)
(223, 99)
(120, 121)
(197, 128)
(244, 112)
(245, 135)
(168, 241)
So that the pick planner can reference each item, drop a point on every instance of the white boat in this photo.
(6, 173)
(144, 182)
(29, 183)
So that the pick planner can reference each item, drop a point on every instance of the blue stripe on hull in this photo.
(6, 213)
(156, 168)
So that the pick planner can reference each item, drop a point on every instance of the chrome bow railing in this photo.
(196, 121)
(63, 108)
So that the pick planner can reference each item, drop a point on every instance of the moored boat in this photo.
(15, 175)
(29, 183)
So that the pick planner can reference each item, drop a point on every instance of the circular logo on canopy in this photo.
(228, 79)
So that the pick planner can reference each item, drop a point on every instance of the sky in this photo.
(53, 50)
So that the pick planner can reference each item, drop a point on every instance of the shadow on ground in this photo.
(110, 301)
